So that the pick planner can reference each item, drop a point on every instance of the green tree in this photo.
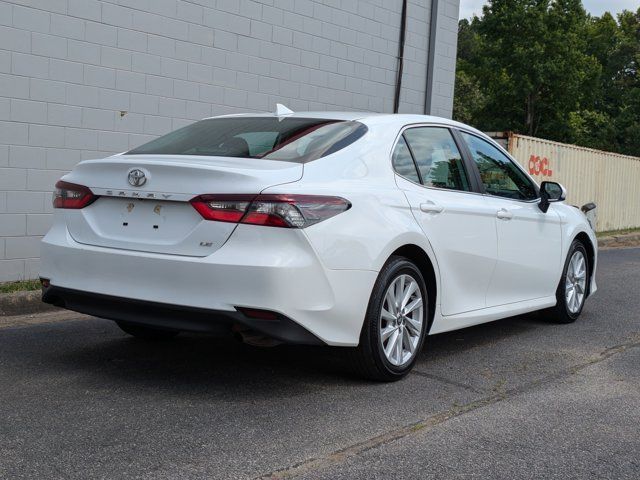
(537, 63)
(625, 62)
(469, 99)
(546, 68)
(590, 128)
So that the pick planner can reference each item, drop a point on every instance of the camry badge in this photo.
(137, 178)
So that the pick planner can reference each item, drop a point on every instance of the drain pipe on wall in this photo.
(433, 29)
(403, 29)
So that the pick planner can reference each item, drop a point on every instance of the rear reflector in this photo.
(286, 211)
(70, 195)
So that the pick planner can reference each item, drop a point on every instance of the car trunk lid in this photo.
(143, 202)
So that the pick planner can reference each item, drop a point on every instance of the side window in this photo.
(498, 173)
(403, 162)
(437, 157)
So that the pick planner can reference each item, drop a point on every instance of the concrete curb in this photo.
(628, 240)
(22, 303)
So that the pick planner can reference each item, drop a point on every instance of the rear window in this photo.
(296, 140)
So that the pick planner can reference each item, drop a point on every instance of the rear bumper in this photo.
(259, 267)
(174, 316)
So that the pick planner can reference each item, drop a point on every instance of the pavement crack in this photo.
(341, 455)
(446, 380)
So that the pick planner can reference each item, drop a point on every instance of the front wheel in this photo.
(395, 324)
(573, 287)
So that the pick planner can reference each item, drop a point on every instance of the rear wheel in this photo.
(147, 333)
(395, 324)
(573, 287)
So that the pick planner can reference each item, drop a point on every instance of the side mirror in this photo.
(551, 192)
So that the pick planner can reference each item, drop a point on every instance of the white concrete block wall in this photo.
(87, 78)
(445, 58)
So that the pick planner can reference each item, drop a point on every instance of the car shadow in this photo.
(224, 366)
(448, 343)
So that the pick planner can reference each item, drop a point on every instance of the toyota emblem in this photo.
(137, 178)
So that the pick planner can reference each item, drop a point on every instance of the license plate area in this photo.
(148, 226)
(145, 215)
(142, 221)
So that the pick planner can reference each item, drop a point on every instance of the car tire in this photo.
(376, 358)
(573, 287)
(147, 333)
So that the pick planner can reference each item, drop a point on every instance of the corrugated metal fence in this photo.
(610, 180)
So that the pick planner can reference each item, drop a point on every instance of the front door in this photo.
(529, 241)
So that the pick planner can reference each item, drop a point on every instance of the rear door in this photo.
(529, 240)
(453, 215)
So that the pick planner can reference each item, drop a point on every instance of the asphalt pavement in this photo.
(517, 398)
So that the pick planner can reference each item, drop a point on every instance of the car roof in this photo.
(320, 115)
(391, 119)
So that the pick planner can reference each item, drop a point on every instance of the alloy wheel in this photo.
(576, 282)
(401, 320)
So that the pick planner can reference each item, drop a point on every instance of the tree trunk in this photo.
(529, 119)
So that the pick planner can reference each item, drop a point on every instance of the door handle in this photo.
(431, 207)
(504, 214)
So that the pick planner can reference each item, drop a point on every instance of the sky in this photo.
(594, 7)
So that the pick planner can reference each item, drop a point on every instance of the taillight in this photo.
(286, 211)
(70, 195)
(293, 211)
(222, 208)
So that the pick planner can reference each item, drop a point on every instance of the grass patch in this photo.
(19, 286)
(611, 233)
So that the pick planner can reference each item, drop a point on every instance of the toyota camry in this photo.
(362, 231)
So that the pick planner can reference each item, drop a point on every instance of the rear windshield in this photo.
(297, 140)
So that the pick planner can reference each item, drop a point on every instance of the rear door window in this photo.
(438, 158)
(403, 161)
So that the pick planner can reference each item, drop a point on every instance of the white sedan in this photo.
(356, 230)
